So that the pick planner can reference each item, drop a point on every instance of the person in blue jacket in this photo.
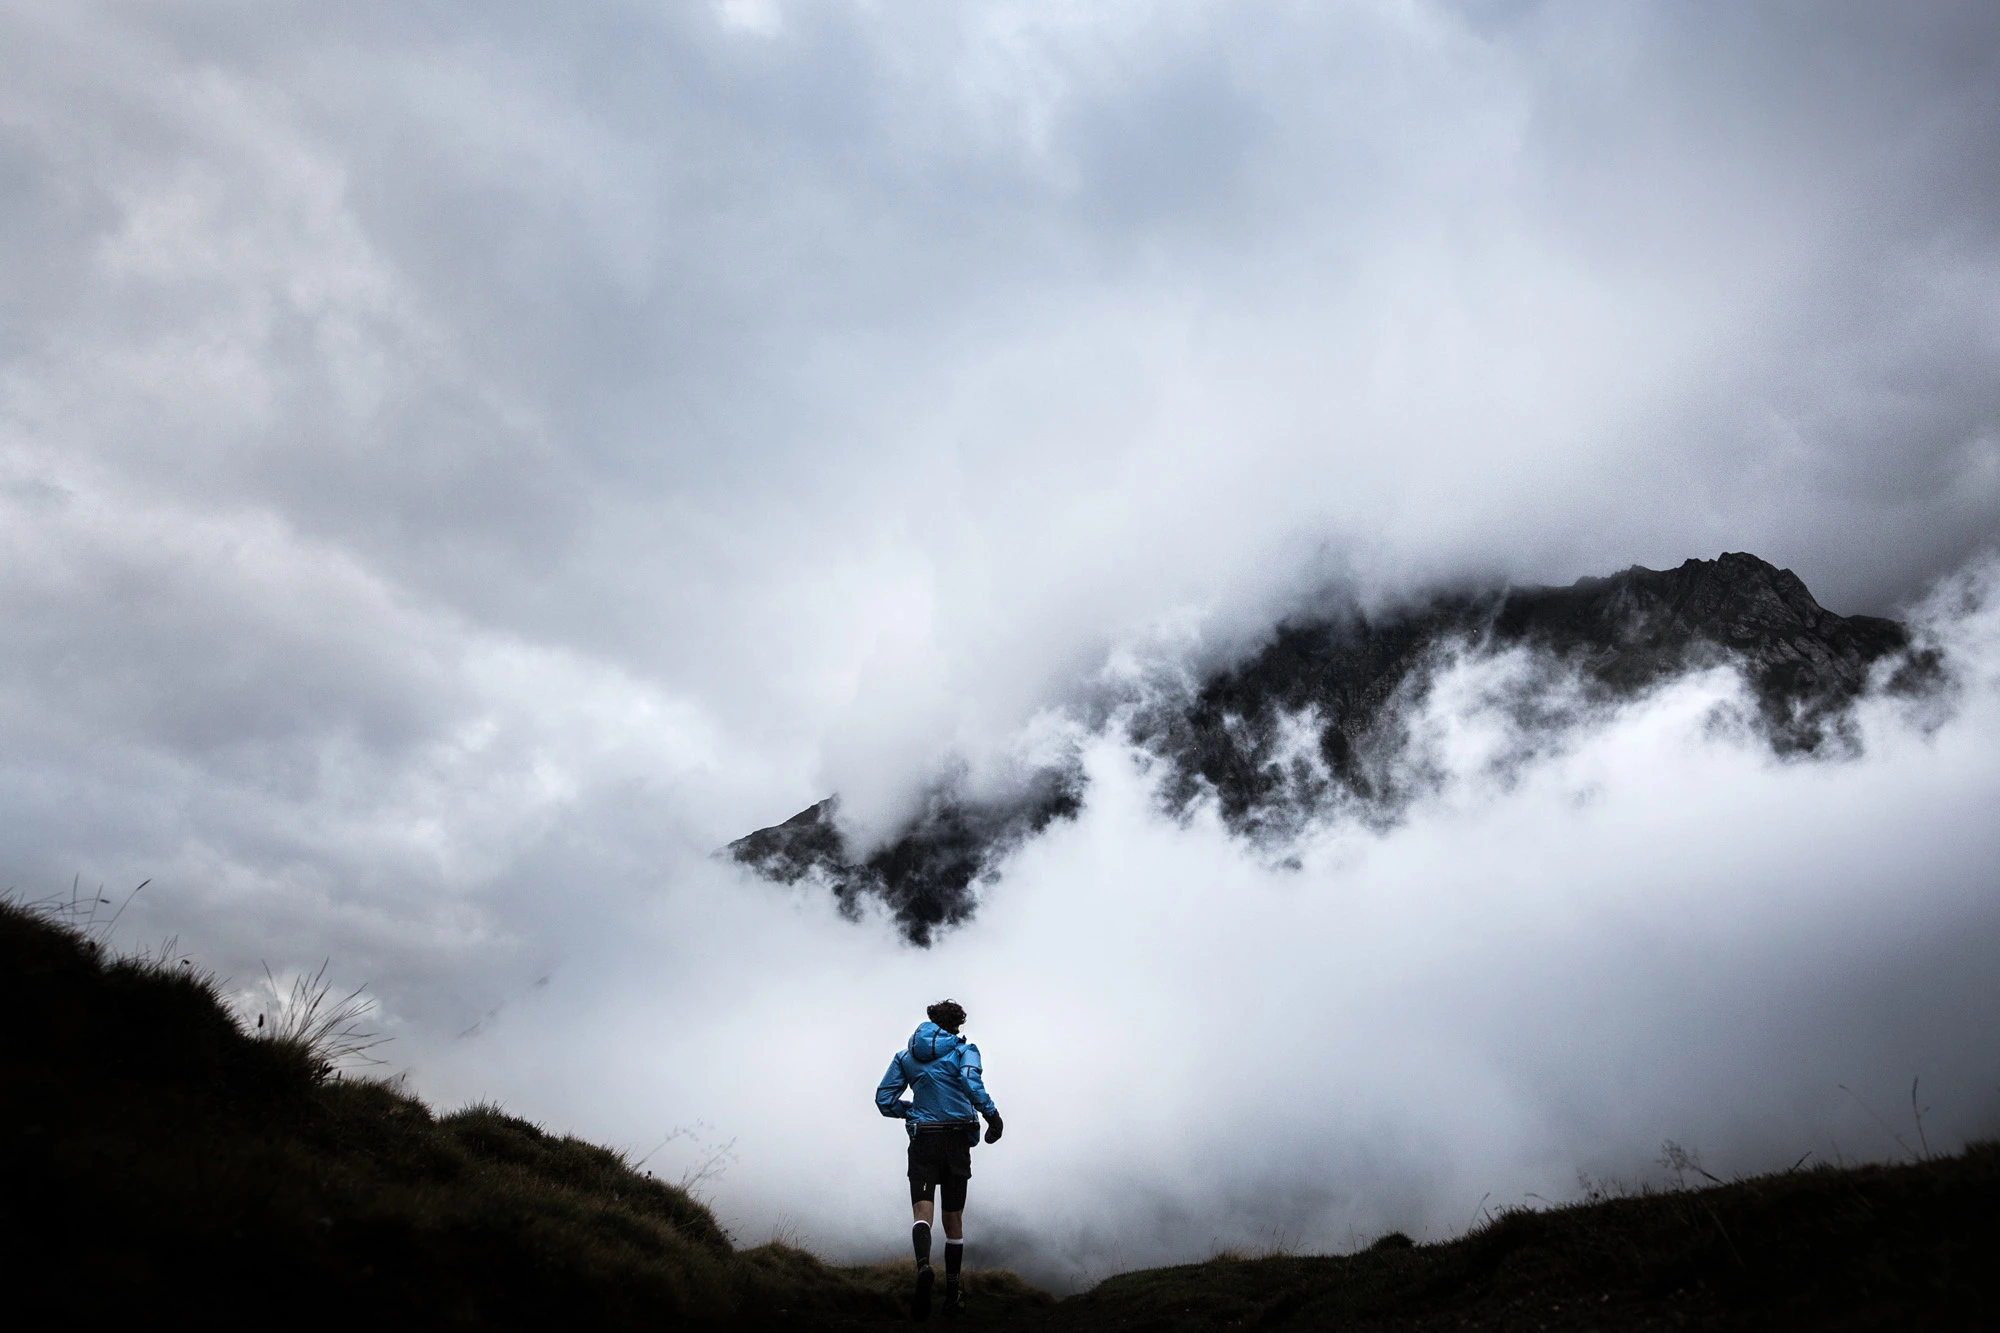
(942, 1071)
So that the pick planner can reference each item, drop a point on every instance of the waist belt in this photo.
(941, 1126)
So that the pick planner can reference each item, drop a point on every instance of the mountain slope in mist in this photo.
(1315, 724)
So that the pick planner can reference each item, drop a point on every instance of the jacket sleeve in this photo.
(889, 1092)
(975, 1080)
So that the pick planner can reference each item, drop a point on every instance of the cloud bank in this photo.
(1655, 931)
(459, 466)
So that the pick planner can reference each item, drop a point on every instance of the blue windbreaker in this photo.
(942, 1071)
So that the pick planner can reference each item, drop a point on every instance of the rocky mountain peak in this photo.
(1350, 679)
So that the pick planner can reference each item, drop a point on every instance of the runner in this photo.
(942, 1071)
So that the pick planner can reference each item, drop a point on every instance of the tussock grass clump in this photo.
(326, 1030)
(155, 1157)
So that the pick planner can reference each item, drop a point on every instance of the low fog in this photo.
(462, 465)
(1655, 932)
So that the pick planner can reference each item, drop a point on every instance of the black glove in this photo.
(993, 1129)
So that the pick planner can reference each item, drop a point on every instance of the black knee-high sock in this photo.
(954, 1255)
(920, 1241)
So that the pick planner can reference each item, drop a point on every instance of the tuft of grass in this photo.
(323, 1030)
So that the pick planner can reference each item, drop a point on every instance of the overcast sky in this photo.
(460, 464)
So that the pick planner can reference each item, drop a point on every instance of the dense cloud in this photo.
(1654, 932)
(460, 465)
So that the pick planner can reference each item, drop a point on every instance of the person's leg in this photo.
(923, 1189)
(954, 1244)
(921, 1212)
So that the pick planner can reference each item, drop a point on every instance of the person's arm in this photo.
(975, 1084)
(889, 1092)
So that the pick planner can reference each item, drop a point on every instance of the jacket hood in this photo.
(930, 1041)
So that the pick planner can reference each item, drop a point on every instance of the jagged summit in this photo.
(925, 874)
(1356, 677)
(1346, 681)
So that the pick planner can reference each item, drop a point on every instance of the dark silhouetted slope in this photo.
(159, 1165)
(1861, 1248)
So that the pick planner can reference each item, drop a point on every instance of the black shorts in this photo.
(941, 1157)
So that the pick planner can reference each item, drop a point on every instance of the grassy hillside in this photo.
(156, 1159)
(1904, 1247)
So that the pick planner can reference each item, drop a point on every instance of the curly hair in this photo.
(947, 1014)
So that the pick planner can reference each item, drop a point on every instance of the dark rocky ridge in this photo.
(1359, 676)
(1314, 724)
(925, 874)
